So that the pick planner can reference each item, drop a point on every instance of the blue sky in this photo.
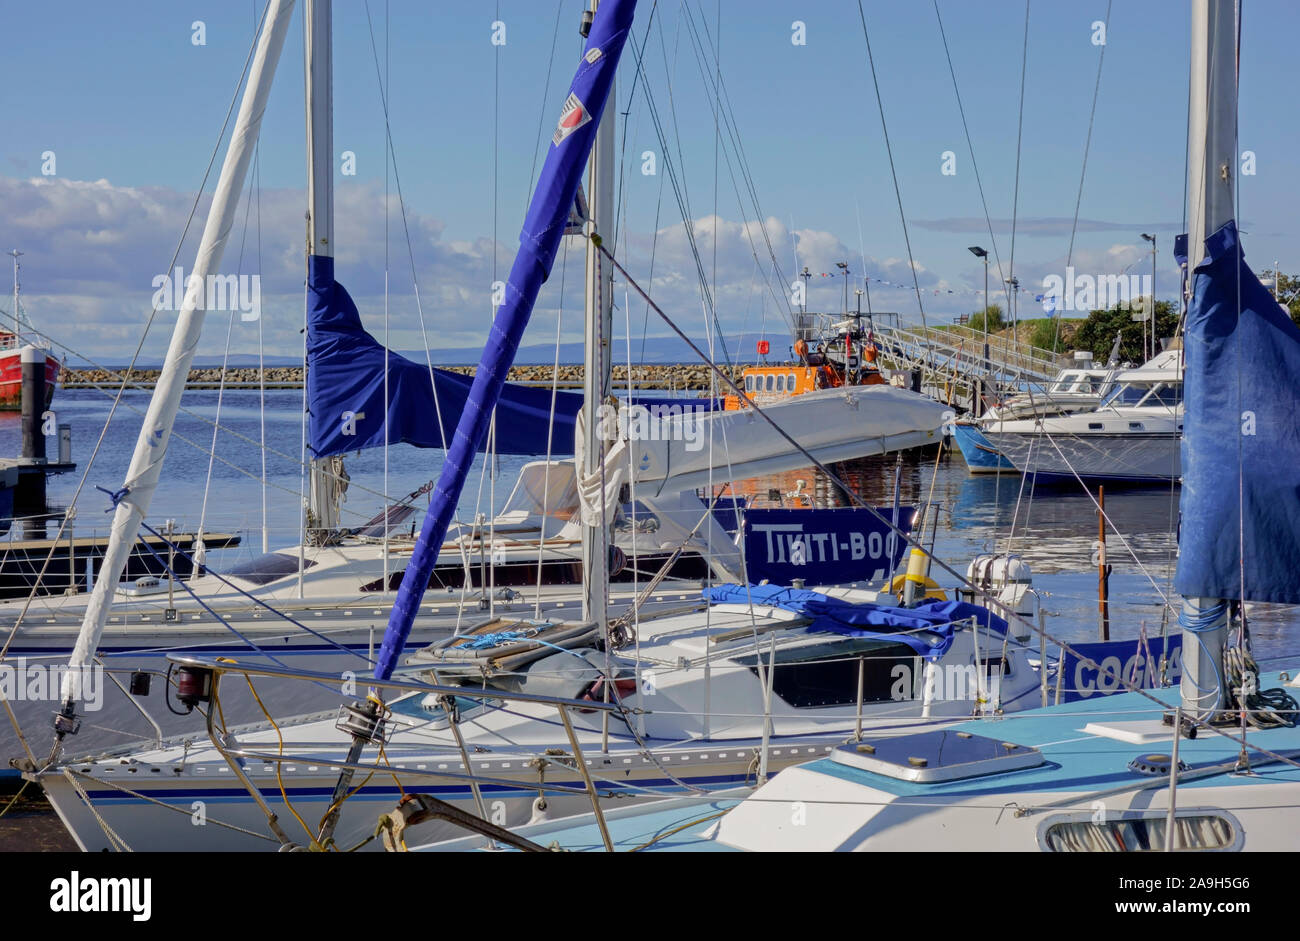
(120, 94)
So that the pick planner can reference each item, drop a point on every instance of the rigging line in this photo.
(654, 250)
(406, 228)
(970, 146)
(1083, 172)
(620, 201)
(1240, 261)
(679, 188)
(171, 266)
(225, 363)
(916, 544)
(898, 193)
(721, 120)
(251, 597)
(410, 251)
(546, 100)
(550, 431)
(232, 432)
(261, 360)
(388, 61)
(729, 121)
(1015, 201)
(490, 458)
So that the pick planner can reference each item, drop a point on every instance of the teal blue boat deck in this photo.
(1076, 761)
(1079, 761)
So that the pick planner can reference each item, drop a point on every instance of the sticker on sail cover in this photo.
(593, 54)
(573, 116)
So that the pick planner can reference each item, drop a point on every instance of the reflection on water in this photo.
(1054, 530)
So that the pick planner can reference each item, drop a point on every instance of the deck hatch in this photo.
(942, 755)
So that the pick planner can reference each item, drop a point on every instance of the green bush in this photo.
(1043, 334)
(992, 314)
(1097, 333)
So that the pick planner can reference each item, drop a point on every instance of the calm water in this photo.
(1054, 530)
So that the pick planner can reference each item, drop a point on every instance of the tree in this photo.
(991, 315)
(1097, 333)
(1287, 292)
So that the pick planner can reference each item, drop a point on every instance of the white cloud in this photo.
(93, 250)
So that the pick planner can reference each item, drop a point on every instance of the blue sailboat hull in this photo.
(981, 456)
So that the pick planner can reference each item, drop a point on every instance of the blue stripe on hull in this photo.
(389, 793)
(1052, 479)
(979, 453)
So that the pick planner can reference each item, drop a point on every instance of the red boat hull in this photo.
(11, 379)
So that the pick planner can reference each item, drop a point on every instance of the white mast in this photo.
(151, 446)
(323, 515)
(599, 324)
(17, 317)
(1211, 161)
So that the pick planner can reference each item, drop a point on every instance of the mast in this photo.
(17, 317)
(151, 446)
(1211, 149)
(599, 325)
(323, 505)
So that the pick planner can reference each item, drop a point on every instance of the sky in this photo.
(131, 105)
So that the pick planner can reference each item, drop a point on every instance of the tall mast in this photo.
(17, 317)
(151, 446)
(323, 507)
(599, 325)
(1211, 149)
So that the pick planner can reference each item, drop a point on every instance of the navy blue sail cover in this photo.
(1241, 436)
(557, 188)
(346, 394)
(927, 628)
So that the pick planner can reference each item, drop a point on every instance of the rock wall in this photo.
(665, 376)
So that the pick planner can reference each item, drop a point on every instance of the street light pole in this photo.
(981, 254)
(1148, 354)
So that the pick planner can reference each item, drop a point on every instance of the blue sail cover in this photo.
(346, 394)
(927, 628)
(1241, 436)
(345, 389)
(557, 187)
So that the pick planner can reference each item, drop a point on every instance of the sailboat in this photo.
(323, 604)
(1212, 766)
(713, 661)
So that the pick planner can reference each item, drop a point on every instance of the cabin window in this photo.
(833, 680)
(780, 383)
(267, 568)
(1165, 394)
(1125, 395)
(1135, 426)
(749, 383)
(771, 383)
(790, 382)
(1140, 832)
(1094, 426)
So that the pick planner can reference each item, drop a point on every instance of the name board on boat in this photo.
(825, 547)
(1134, 662)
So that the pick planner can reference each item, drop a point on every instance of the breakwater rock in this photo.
(665, 376)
